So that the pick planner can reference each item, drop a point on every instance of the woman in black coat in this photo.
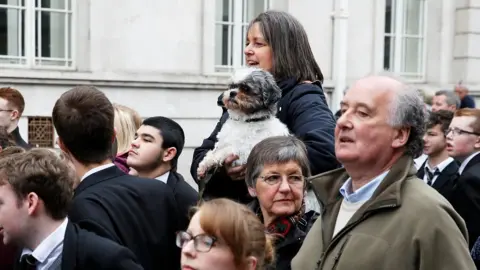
(278, 43)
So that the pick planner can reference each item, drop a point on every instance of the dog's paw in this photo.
(201, 172)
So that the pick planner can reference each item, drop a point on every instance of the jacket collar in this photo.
(97, 177)
(387, 195)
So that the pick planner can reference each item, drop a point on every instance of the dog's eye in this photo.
(244, 87)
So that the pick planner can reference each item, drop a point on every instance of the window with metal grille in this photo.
(40, 131)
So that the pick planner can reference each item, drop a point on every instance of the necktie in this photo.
(431, 175)
(28, 262)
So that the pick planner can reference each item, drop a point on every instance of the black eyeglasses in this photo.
(459, 131)
(201, 242)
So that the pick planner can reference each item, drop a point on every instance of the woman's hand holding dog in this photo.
(236, 173)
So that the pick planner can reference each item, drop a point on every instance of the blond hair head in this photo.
(126, 123)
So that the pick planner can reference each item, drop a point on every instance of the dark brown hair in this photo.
(42, 172)
(14, 98)
(239, 228)
(442, 118)
(292, 54)
(83, 118)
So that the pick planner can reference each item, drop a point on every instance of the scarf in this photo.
(283, 225)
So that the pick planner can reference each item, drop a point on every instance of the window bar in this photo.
(423, 23)
(66, 41)
(38, 13)
(73, 34)
(398, 6)
(237, 33)
(229, 33)
(21, 52)
(29, 32)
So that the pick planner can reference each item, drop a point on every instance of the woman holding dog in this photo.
(275, 175)
(278, 43)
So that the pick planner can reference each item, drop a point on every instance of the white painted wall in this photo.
(157, 55)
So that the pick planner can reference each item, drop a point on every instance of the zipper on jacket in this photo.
(339, 253)
(346, 229)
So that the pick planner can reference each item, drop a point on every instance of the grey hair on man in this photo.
(408, 110)
(450, 98)
(278, 150)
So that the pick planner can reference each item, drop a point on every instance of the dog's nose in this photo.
(233, 94)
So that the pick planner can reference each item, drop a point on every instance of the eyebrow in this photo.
(358, 104)
(146, 135)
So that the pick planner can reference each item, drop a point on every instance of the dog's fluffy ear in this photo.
(272, 93)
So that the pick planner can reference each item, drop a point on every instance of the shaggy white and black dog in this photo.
(251, 101)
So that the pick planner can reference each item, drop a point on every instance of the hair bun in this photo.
(269, 250)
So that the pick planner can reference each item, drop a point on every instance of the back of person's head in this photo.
(83, 118)
(171, 132)
(292, 54)
(442, 118)
(126, 123)
(239, 228)
(10, 150)
(14, 100)
(39, 173)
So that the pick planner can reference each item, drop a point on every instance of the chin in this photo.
(284, 210)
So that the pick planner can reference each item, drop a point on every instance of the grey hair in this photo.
(450, 97)
(275, 150)
(407, 110)
(292, 54)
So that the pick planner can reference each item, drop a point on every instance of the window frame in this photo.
(30, 58)
(398, 57)
(237, 13)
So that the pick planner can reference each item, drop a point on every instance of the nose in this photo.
(284, 186)
(134, 143)
(425, 138)
(233, 94)
(188, 249)
(343, 121)
(248, 50)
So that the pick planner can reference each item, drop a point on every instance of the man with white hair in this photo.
(376, 213)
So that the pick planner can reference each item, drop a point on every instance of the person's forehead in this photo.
(371, 90)
(462, 121)
(149, 130)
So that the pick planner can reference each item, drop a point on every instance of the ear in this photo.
(33, 202)
(273, 93)
(401, 137)
(252, 192)
(14, 115)
(169, 154)
(477, 143)
(252, 263)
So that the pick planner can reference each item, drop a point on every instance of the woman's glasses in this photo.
(201, 242)
(276, 179)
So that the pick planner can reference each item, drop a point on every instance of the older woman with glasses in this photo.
(224, 235)
(275, 175)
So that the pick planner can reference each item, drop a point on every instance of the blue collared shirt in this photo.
(362, 194)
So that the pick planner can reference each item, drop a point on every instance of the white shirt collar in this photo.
(465, 162)
(97, 169)
(163, 177)
(49, 244)
(441, 166)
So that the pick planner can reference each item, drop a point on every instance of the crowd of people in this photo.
(386, 183)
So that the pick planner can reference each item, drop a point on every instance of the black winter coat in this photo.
(303, 108)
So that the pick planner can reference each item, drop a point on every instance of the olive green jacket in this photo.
(405, 225)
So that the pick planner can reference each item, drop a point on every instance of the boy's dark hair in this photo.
(40, 171)
(83, 118)
(171, 132)
(442, 118)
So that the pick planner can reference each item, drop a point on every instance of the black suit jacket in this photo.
(19, 141)
(445, 181)
(138, 213)
(84, 250)
(185, 196)
(465, 198)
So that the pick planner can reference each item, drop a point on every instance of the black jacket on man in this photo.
(185, 196)
(138, 213)
(445, 181)
(465, 198)
(303, 108)
(83, 250)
